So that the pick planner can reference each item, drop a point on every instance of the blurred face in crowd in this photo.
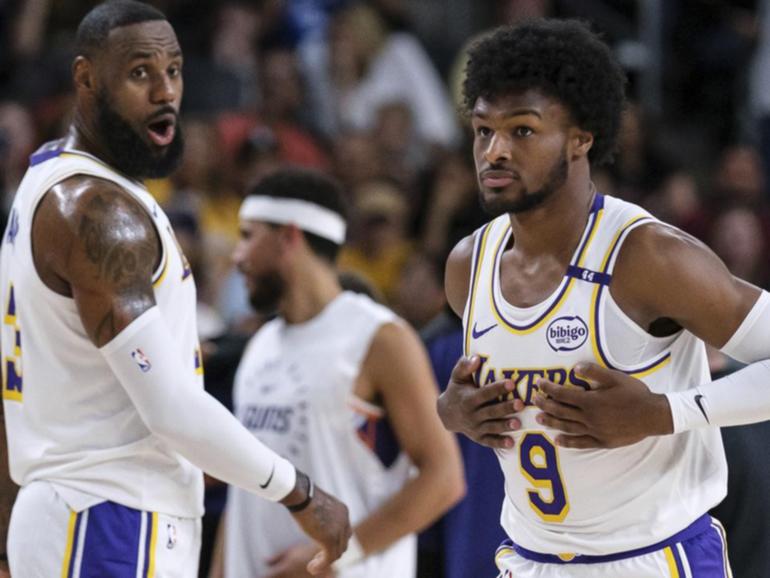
(739, 174)
(739, 242)
(137, 82)
(257, 257)
(281, 85)
(520, 147)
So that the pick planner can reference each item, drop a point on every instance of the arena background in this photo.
(369, 92)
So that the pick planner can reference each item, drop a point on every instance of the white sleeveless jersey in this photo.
(69, 421)
(293, 390)
(566, 501)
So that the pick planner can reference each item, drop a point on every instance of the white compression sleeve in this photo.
(742, 397)
(148, 364)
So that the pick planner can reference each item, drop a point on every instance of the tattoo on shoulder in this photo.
(108, 229)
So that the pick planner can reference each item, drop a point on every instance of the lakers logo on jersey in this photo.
(525, 379)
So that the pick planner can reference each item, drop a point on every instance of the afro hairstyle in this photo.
(564, 60)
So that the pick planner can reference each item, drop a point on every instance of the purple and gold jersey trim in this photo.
(669, 545)
(481, 243)
(599, 293)
(160, 274)
(592, 226)
(110, 540)
(44, 154)
(73, 530)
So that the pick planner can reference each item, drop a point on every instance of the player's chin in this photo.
(499, 200)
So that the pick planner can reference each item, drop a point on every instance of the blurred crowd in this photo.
(368, 91)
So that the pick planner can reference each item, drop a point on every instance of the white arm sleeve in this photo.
(148, 364)
(742, 397)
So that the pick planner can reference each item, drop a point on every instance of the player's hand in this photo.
(476, 411)
(326, 521)
(619, 410)
(292, 562)
(5, 572)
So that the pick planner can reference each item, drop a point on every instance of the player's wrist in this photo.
(664, 424)
(302, 494)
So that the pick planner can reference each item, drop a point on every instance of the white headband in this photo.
(304, 214)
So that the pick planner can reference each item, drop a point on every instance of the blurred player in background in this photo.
(569, 298)
(338, 384)
(102, 389)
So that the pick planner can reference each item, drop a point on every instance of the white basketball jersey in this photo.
(69, 421)
(566, 501)
(294, 391)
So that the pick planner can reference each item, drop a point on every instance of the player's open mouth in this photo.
(162, 131)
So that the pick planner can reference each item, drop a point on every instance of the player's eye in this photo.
(139, 72)
(523, 131)
(483, 131)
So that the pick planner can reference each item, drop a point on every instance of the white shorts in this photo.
(47, 539)
(699, 551)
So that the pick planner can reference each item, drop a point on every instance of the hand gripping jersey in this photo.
(69, 421)
(294, 391)
(592, 502)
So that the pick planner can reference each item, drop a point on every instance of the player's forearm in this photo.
(7, 487)
(188, 419)
(421, 501)
(739, 398)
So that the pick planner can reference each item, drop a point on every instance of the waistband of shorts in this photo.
(697, 527)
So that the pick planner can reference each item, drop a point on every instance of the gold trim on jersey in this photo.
(673, 570)
(664, 358)
(591, 228)
(65, 566)
(153, 543)
(163, 270)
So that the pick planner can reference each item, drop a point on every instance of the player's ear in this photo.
(581, 142)
(83, 74)
(292, 236)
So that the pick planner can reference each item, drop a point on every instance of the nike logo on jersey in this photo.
(270, 479)
(476, 334)
(698, 399)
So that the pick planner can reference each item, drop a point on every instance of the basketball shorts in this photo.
(698, 551)
(47, 539)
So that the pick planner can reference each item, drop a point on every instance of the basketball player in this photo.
(106, 417)
(588, 316)
(338, 384)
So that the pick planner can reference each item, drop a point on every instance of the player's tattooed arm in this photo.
(7, 491)
(108, 255)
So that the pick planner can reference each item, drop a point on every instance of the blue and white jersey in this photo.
(567, 501)
(294, 391)
(69, 420)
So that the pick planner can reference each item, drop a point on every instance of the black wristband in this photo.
(4, 557)
(306, 502)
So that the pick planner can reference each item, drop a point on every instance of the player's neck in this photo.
(312, 288)
(555, 227)
(83, 136)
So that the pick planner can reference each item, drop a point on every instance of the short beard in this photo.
(556, 178)
(128, 153)
(267, 294)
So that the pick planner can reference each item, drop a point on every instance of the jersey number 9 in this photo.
(539, 463)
